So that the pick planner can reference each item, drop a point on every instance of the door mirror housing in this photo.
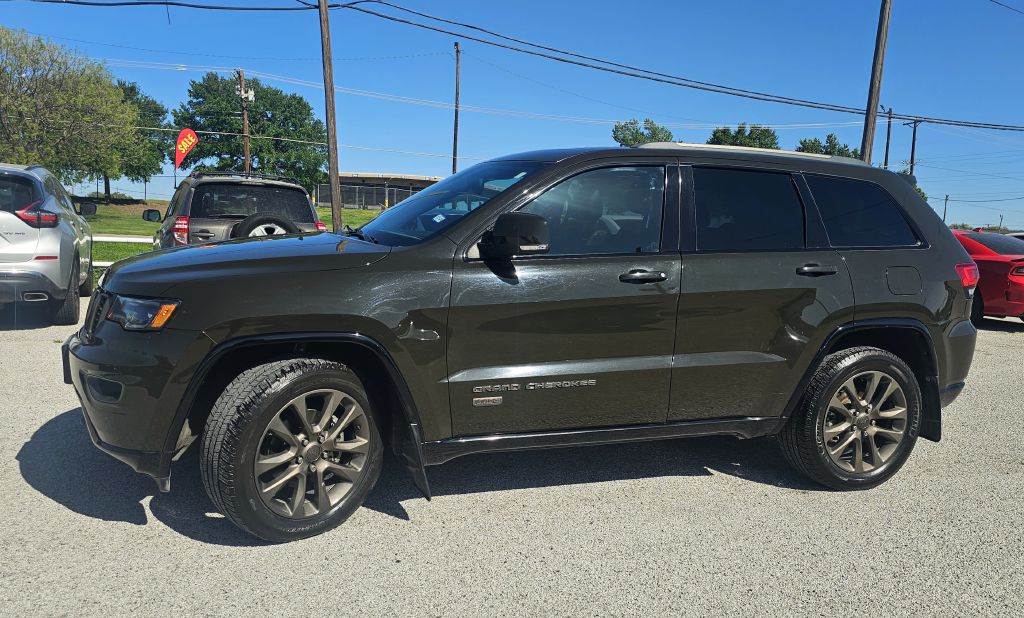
(152, 215)
(87, 210)
(515, 234)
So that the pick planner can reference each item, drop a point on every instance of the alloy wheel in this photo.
(866, 422)
(267, 229)
(311, 453)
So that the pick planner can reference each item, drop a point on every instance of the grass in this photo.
(114, 251)
(126, 219)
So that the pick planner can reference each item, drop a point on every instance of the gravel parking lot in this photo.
(686, 527)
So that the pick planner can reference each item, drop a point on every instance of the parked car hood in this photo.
(150, 274)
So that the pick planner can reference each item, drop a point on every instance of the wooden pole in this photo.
(875, 87)
(455, 140)
(245, 119)
(332, 128)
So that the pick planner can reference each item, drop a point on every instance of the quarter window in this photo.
(747, 210)
(605, 211)
(859, 214)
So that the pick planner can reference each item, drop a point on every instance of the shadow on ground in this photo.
(60, 462)
(1011, 325)
(25, 316)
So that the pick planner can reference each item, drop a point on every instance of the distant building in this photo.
(372, 191)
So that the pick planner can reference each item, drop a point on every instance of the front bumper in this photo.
(14, 284)
(129, 386)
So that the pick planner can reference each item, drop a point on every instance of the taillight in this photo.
(969, 275)
(37, 218)
(1018, 271)
(320, 227)
(181, 230)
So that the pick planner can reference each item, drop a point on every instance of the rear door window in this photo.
(237, 201)
(747, 210)
(859, 214)
(16, 193)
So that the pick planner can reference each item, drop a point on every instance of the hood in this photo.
(150, 274)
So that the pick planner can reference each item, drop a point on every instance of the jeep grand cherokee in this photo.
(553, 298)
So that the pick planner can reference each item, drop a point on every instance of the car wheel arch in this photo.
(373, 364)
(907, 338)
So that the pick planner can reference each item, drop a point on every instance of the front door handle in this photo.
(816, 270)
(642, 276)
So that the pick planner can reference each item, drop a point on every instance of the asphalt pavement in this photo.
(687, 527)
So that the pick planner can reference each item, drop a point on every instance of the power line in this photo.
(563, 56)
(1007, 6)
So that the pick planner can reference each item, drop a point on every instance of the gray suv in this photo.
(45, 244)
(212, 206)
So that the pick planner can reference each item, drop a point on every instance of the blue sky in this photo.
(946, 58)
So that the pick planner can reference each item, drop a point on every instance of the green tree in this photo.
(630, 133)
(153, 147)
(213, 105)
(60, 110)
(754, 137)
(832, 146)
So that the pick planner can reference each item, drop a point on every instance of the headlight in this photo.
(141, 313)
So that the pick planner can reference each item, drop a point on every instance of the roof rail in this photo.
(278, 177)
(773, 151)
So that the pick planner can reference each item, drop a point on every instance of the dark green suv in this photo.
(553, 298)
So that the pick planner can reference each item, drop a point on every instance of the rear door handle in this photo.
(642, 276)
(816, 270)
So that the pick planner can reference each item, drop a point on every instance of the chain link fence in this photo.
(365, 197)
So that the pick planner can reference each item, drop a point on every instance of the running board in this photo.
(441, 451)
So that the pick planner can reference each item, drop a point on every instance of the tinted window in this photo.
(233, 200)
(16, 193)
(1005, 245)
(438, 207)
(611, 210)
(859, 214)
(744, 210)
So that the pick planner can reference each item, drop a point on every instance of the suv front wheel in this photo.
(858, 421)
(291, 448)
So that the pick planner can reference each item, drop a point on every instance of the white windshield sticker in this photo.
(438, 218)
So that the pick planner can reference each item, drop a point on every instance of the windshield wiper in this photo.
(359, 233)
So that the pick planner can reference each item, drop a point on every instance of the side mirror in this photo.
(152, 215)
(87, 210)
(515, 234)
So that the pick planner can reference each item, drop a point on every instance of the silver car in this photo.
(45, 244)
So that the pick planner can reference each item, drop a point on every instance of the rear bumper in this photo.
(15, 284)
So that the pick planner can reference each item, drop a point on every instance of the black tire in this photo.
(803, 439)
(235, 431)
(978, 309)
(67, 311)
(86, 288)
(246, 226)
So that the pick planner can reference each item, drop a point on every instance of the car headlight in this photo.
(141, 313)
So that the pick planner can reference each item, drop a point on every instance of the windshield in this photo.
(438, 207)
(238, 200)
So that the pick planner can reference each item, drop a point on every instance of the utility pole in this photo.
(945, 208)
(247, 97)
(332, 127)
(1000, 221)
(455, 140)
(913, 143)
(874, 90)
(888, 136)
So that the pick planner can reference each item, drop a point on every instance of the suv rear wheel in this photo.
(291, 448)
(67, 311)
(858, 421)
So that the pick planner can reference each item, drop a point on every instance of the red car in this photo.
(1000, 262)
